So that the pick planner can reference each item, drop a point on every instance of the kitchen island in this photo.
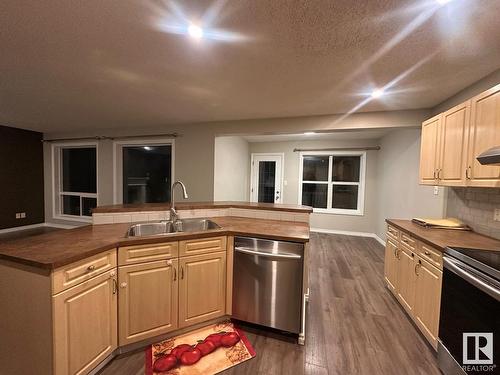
(73, 299)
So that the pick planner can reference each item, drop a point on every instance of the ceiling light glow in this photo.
(309, 133)
(195, 31)
(443, 2)
(377, 93)
(147, 148)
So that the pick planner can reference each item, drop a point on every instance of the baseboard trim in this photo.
(350, 233)
(39, 225)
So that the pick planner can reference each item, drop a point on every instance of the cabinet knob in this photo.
(91, 268)
(112, 273)
(427, 253)
(123, 285)
(169, 262)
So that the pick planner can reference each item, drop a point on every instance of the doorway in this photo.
(266, 184)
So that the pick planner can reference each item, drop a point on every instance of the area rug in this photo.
(208, 350)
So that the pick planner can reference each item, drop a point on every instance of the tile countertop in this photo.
(441, 238)
(201, 205)
(55, 249)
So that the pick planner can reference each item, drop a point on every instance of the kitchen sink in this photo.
(169, 227)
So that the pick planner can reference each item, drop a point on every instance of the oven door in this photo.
(469, 305)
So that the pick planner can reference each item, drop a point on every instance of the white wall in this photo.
(399, 194)
(231, 169)
(365, 223)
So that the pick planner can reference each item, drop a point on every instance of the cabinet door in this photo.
(406, 278)
(429, 150)
(85, 324)
(390, 264)
(454, 138)
(202, 288)
(484, 134)
(428, 299)
(148, 300)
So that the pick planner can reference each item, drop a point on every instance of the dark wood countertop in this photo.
(201, 205)
(441, 238)
(56, 249)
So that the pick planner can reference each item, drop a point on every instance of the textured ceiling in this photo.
(101, 64)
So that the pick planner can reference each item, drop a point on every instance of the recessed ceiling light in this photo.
(377, 93)
(309, 133)
(195, 31)
(443, 2)
(147, 148)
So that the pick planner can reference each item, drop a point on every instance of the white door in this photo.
(266, 181)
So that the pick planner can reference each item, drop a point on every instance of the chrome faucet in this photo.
(173, 212)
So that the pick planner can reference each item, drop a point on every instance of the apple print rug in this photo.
(208, 350)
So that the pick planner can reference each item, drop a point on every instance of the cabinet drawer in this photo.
(147, 253)
(202, 246)
(74, 273)
(392, 232)
(408, 242)
(431, 255)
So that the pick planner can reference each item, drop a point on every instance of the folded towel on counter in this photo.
(448, 223)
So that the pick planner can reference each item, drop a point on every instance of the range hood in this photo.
(490, 156)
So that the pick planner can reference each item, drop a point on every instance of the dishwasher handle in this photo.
(246, 250)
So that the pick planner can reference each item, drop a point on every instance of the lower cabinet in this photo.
(427, 299)
(406, 278)
(390, 264)
(85, 324)
(148, 300)
(202, 288)
(413, 274)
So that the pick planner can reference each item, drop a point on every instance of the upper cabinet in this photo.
(484, 134)
(429, 159)
(452, 140)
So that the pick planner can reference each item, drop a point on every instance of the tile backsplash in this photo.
(475, 207)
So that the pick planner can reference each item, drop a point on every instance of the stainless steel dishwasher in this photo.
(267, 283)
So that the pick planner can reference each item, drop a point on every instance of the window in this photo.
(143, 170)
(75, 182)
(147, 174)
(333, 182)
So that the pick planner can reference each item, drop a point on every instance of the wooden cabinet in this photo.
(453, 145)
(413, 273)
(484, 134)
(452, 140)
(85, 324)
(202, 288)
(390, 264)
(148, 300)
(427, 299)
(406, 278)
(430, 150)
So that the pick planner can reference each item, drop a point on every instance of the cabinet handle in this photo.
(412, 255)
(439, 173)
(115, 286)
(182, 272)
(90, 268)
(404, 240)
(468, 171)
(175, 274)
(434, 174)
(417, 266)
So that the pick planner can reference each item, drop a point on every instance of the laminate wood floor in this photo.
(354, 324)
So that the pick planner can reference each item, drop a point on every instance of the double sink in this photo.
(171, 227)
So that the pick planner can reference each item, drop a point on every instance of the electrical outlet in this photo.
(23, 215)
(436, 190)
(496, 214)
(18, 215)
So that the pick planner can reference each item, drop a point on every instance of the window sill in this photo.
(338, 212)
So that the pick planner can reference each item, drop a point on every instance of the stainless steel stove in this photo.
(469, 326)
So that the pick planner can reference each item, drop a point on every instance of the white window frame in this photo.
(361, 184)
(57, 193)
(118, 172)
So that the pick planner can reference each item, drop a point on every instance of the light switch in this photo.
(436, 190)
(18, 215)
(23, 215)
